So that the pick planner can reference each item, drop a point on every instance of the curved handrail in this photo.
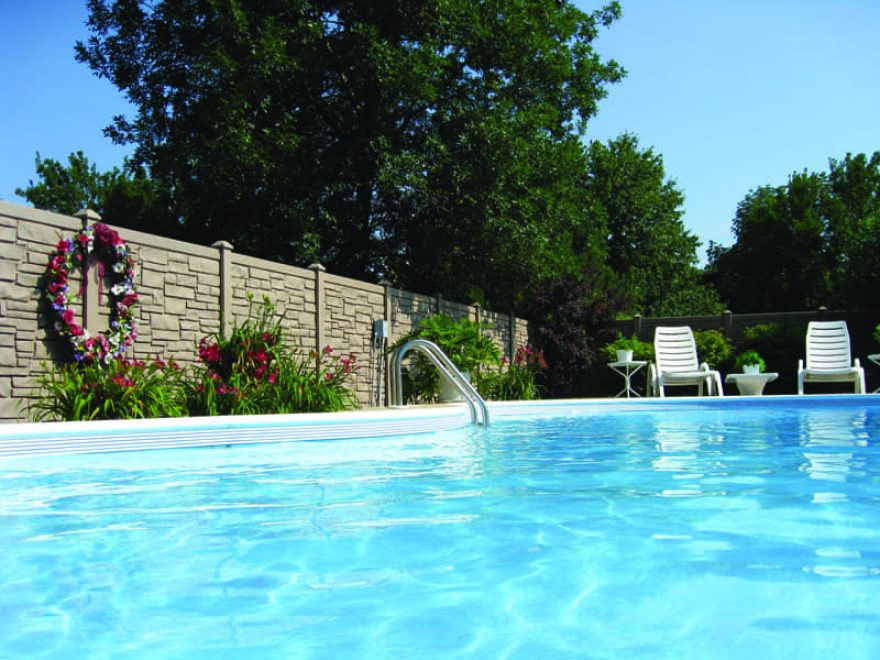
(447, 369)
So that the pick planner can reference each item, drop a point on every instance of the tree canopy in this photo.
(813, 241)
(432, 143)
(120, 193)
(653, 254)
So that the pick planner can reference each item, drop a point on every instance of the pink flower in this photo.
(104, 236)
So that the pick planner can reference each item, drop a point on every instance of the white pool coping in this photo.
(56, 438)
(60, 438)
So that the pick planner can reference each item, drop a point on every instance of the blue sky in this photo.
(732, 94)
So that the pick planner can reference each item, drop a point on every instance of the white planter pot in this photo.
(624, 356)
(447, 392)
(751, 368)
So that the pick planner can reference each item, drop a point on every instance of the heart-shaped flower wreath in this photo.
(114, 259)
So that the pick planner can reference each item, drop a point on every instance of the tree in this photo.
(811, 242)
(853, 231)
(649, 248)
(570, 313)
(399, 138)
(124, 196)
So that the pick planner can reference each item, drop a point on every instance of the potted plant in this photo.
(750, 362)
(622, 349)
(465, 343)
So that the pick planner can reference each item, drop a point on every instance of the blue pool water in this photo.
(697, 532)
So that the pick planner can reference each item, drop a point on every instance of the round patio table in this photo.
(751, 384)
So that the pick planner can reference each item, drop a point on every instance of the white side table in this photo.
(875, 358)
(751, 384)
(627, 370)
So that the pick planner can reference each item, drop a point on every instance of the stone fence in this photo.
(185, 290)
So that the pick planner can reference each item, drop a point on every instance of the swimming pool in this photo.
(677, 529)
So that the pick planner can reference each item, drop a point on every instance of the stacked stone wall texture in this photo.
(181, 291)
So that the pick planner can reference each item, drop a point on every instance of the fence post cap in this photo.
(317, 267)
(222, 245)
(87, 215)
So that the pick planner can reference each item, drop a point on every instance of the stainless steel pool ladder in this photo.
(479, 409)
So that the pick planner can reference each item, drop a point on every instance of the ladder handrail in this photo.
(447, 369)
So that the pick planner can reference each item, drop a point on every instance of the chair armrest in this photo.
(800, 365)
(705, 367)
(857, 364)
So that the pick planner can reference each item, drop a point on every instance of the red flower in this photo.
(104, 235)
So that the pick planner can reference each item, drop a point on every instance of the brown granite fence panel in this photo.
(188, 291)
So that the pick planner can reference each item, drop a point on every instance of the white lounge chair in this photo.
(829, 357)
(675, 352)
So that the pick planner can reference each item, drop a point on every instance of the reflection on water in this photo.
(828, 455)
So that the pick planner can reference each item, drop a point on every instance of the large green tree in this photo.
(649, 248)
(125, 192)
(813, 241)
(431, 142)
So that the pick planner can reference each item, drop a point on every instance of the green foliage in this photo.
(464, 342)
(712, 347)
(779, 344)
(251, 372)
(120, 389)
(569, 315)
(514, 380)
(384, 139)
(126, 197)
(641, 350)
(749, 357)
(876, 334)
(829, 227)
(649, 248)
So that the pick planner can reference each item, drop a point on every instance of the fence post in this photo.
(823, 313)
(727, 323)
(224, 249)
(476, 307)
(511, 335)
(319, 270)
(91, 279)
(438, 303)
(637, 326)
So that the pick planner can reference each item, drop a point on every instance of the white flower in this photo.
(117, 289)
(118, 267)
